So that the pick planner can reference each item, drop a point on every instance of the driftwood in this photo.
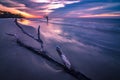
(63, 58)
(76, 74)
(36, 39)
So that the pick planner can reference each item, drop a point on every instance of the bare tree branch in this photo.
(39, 32)
(23, 30)
(37, 39)
(63, 58)
(40, 40)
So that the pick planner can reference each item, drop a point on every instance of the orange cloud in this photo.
(15, 11)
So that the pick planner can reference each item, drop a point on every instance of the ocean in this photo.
(91, 45)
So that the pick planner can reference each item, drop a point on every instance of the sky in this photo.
(63, 8)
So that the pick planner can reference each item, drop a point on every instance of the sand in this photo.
(17, 63)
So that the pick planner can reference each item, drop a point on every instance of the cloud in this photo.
(103, 6)
(37, 7)
(41, 1)
(14, 10)
(102, 15)
(92, 9)
(51, 5)
(63, 8)
(11, 3)
(17, 7)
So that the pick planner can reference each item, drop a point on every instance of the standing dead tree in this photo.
(76, 74)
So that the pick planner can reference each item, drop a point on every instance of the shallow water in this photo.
(92, 45)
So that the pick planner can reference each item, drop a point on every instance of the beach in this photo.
(92, 49)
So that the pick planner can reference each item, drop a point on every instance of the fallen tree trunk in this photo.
(78, 75)
(71, 71)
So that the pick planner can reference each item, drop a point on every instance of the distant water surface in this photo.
(92, 45)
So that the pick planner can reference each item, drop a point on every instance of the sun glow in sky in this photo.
(13, 10)
(62, 8)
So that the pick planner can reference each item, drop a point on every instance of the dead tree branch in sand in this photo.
(76, 74)
(63, 58)
(40, 40)
(36, 39)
